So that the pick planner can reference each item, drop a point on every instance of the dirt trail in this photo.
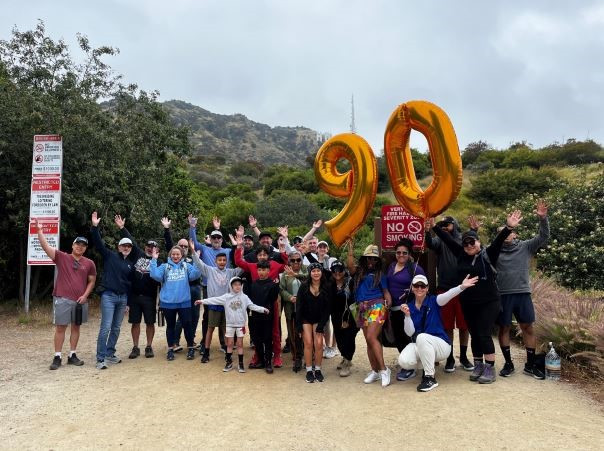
(152, 403)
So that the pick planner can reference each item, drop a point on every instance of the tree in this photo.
(473, 151)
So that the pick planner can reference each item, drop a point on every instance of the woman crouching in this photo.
(422, 322)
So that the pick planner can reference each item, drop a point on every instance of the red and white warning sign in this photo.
(397, 223)
(35, 253)
(48, 155)
(45, 198)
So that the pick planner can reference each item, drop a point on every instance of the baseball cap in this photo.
(249, 237)
(337, 266)
(420, 278)
(80, 239)
(216, 233)
(470, 234)
(235, 279)
(298, 239)
(152, 243)
(315, 265)
(371, 251)
(263, 234)
(125, 241)
(322, 243)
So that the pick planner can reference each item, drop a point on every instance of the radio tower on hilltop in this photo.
(353, 127)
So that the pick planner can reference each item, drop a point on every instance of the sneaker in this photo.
(177, 348)
(319, 376)
(56, 363)
(339, 367)
(223, 349)
(330, 353)
(149, 352)
(269, 368)
(385, 375)
(191, 354)
(372, 377)
(277, 362)
(488, 375)
(427, 383)
(466, 365)
(310, 377)
(533, 371)
(205, 358)
(286, 348)
(450, 365)
(256, 366)
(73, 360)
(135, 352)
(477, 372)
(403, 374)
(113, 359)
(200, 347)
(508, 369)
(101, 365)
(345, 369)
(170, 354)
(297, 365)
(241, 368)
(228, 367)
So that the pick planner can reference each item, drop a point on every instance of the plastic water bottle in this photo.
(552, 364)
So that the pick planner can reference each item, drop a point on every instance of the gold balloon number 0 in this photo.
(359, 184)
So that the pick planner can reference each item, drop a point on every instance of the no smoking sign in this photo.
(397, 223)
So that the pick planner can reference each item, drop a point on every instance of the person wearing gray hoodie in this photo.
(514, 284)
(450, 313)
(235, 304)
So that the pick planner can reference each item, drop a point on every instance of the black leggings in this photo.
(397, 317)
(480, 319)
(261, 330)
(345, 337)
(184, 315)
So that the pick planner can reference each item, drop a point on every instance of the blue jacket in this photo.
(117, 270)
(208, 254)
(174, 279)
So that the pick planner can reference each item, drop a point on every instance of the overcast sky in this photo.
(503, 71)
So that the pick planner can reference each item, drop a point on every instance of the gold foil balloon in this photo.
(359, 184)
(432, 122)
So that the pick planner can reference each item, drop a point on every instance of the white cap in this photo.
(420, 278)
(125, 241)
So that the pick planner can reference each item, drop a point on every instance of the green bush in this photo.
(501, 186)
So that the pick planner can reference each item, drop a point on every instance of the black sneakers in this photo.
(228, 366)
(533, 371)
(135, 352)
(170, 354)
(508, 369)
(205, 358)
(149, 352)
(73, 360)
(319, 376)
(427, 383)
(297, 365)
(450, 365)
(310, 377)
(56, 363)
(191, 354)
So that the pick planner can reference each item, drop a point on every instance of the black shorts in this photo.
(142, 306)
(519, 304)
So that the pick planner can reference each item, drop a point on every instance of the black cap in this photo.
(470, 234)
(315, 265)
(337, 266)
(263, 234)
(152, 243)
(80, 239)
(249, 237)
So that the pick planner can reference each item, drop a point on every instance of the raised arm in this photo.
(543, 236)
(239, 261)
(193, 232)
(444, 298)
(315, 226)
(96, 236)
(446, 238)
(254, 225)
(494, 248)
(156, 272)
(50, 251)
(350, 263)
(203, 268)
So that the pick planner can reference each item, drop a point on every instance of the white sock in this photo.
(58, 354)
(309, 368)
(318, 368)
(71, 353)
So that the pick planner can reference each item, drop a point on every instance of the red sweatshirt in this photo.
(252, 268)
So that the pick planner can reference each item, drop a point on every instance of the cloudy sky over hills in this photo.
(503, 71)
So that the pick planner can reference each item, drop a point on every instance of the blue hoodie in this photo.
(174, 278)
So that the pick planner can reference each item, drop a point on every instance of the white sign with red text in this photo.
(35, 253)
(48, 156)
(45, 198)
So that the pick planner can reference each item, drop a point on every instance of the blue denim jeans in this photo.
(113, 306)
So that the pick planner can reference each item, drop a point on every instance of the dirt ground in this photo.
(154, 404)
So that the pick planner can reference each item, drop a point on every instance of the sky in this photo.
(503, 71)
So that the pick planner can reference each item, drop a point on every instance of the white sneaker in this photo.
(101, 365)
(334, 351)
(385, 375)
(372, 377)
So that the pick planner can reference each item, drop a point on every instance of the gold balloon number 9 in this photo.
(359, 184)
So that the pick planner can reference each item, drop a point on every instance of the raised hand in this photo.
(37, 224)
(155, 253)
(405, 309)
(95, 219)
(233, 240)
(207, 239)
(266, 311)
(191, 245)
(303, 247)
(239, 231)
(283, 231)
(166, 222)
(192, 220)
(469, 282)
(216, 222)
(281, 245)
(429, 223)
(514, 219)
(474, 222)
(119, 222)
(239, 241)
(318, 223)
(288, 270)
(253, 222)
(541, 209)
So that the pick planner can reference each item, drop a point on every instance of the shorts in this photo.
(63, 312)
(451, 314)
(142, 306)
(232, 331)
(374, 314)
(216, 319)
(520, 304)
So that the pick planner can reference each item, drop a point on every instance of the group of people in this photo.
(325, 301)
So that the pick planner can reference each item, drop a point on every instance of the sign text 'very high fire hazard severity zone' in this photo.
(397, 223)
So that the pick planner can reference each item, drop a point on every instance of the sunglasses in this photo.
(419, 285)
(467, 243)
(295, 260)
(373, 259)
(184, 246)
(402, 253)
(76, 265)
